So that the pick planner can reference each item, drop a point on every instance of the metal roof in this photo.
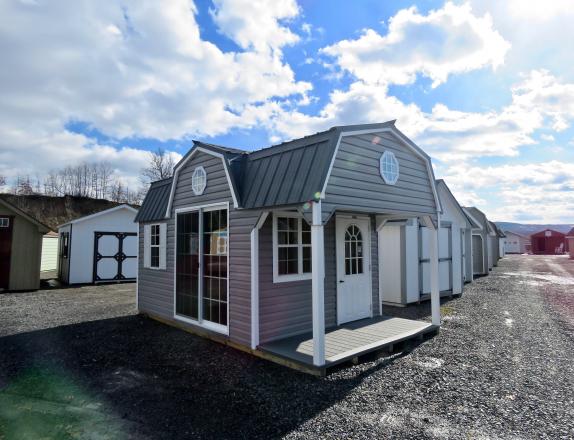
(155, 203)
(289, 173)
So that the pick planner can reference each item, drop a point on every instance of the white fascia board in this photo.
(107, 211)
(410, 144)
(181, 164)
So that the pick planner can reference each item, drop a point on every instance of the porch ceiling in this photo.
(349, 340)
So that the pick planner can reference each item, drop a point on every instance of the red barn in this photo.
(549, 242)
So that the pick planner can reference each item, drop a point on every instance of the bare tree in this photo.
(3, 181)
(161, 164)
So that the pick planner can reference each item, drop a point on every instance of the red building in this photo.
(549, 242)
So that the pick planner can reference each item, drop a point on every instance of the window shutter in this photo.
(147, 243)
(162, 244)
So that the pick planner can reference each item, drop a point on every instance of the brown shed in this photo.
(20, 248)
(549, 242)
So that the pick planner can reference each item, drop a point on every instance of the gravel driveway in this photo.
(502, 367)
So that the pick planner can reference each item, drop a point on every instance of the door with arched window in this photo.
(354, 298)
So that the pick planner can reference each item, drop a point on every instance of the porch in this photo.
(348, 341)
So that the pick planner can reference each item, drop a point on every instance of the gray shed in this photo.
(276, 251)
(482, 241)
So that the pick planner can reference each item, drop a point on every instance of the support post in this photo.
(318, 287)
(434, 275)
(255, 281)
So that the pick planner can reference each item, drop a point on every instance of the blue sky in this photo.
(485, 87)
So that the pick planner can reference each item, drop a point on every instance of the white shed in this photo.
(101, 247)
(406, 263)
(515, 243)
(49, 252)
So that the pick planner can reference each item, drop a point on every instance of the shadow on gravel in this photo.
(132, 377)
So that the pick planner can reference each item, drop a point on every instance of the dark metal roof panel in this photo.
(289, 173)
(155, 202)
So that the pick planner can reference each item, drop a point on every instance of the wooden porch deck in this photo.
(349, 340)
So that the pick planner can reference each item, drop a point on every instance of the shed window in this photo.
(353, 250)
(291, 248)
(198, 181)
(154, 245)
(389, 167)
(64, 244)
(4, 222)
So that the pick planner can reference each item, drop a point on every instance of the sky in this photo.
(486, 88)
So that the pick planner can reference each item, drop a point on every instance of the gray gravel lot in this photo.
(502, 367)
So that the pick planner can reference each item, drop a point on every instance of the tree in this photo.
(161, 164)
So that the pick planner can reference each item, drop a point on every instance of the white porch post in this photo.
(318, 288)
(434, 275)
(255, 280)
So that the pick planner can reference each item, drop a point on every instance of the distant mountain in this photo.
(525, 229)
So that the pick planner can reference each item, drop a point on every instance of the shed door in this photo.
(444, 259)
(354, 300)
(6, 223)
(115, 256)
(477, 255)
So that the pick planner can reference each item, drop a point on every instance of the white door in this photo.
(390, 264)
(463, 250)
(354, 298)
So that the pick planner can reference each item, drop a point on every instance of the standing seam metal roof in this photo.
(155, 203)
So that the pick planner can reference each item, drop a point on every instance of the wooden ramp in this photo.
(350, 340)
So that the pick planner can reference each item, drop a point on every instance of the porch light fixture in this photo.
(389, 168)
(198, 181)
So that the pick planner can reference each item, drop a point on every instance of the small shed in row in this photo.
(549, 242)
(410, 254)
(515, 243)
(101, 247)
(20, 248)
(49, 252)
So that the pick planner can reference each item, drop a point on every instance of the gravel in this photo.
(501, 367)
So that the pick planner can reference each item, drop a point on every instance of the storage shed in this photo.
(101, 247)
(409, 254)
(481, 241)
(494, 244)
(20, 248)
(570, 240)
(277, 251)
(515, 243)
(49, 252)
(549, 242)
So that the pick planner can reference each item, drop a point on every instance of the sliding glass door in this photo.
(201, 266)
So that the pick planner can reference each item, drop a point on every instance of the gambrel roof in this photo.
(286, 174)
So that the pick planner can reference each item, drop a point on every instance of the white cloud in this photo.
(256, 24)
(547, 137)
(447, 41)
(130, 69)
(534, 192)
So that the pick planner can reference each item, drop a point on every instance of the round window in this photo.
(198, 181)
(389, 168)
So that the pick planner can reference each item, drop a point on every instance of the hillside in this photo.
(53, 211)
(527, 229)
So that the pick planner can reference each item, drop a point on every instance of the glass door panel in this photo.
(187, 265)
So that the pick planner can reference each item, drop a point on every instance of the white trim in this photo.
(434, 275)
(106, 211)
(200, 322)
(292, 277)
(369, 248)
(255, 280)
(416, 149)
(318, 285)
(181, 164)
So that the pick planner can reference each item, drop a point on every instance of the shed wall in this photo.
(26, 253)
(356, 184)
(82, 241)
(49, 253)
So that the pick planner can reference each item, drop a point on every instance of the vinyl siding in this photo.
(156, 287)
(25, 253)
(286, 308)
(356, 185)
